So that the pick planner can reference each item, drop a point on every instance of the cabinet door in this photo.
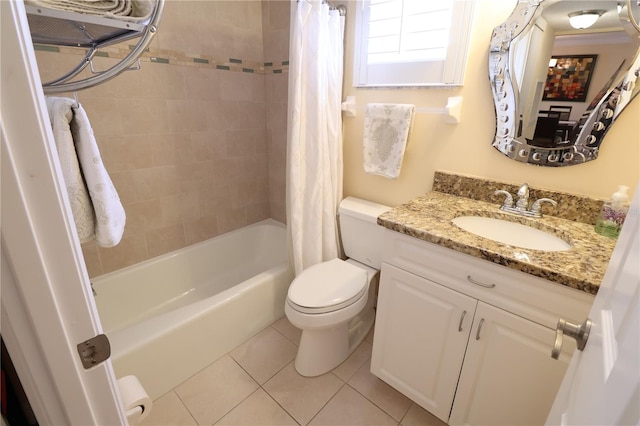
(508, 377)
(421, 333)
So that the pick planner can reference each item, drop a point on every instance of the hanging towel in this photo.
(386, 130)
(95, 204)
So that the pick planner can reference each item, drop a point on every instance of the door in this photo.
(508, 377)
(421, 333)
(47, 307)
(602, 384)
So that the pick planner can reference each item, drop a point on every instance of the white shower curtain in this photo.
(314, 137)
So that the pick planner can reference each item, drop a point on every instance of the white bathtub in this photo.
(171, 316)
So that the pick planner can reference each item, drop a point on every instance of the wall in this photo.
(466, 148)
(188, 140)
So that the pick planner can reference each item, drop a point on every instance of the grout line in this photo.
(183, 404)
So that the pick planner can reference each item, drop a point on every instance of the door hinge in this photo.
(94, 351)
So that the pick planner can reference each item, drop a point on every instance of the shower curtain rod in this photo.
(340, 8)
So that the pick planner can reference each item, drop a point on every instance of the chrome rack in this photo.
(92, 32)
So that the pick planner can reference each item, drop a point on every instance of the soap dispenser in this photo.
(613, 213)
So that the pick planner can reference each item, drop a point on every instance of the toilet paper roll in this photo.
(137, 404)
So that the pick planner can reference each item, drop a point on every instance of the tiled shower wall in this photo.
(195, 141)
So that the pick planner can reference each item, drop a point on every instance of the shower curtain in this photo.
(314, 136)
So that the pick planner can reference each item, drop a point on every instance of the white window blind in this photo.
(411, 42)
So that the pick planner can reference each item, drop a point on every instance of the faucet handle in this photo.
(535, 208)
(508, 201)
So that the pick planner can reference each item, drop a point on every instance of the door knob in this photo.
(580, 332)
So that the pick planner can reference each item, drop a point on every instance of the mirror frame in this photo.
(587, 144)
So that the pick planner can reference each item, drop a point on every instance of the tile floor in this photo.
(256, 384)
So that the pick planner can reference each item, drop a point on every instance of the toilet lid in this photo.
(333, 284)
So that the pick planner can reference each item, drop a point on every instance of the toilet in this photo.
(333, 301)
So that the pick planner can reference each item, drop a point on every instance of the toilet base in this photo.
(321, 350)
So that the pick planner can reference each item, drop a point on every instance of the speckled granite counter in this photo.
(429, 218)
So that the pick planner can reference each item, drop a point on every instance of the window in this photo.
(411, 42)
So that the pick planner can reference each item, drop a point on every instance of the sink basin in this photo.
(514, 234)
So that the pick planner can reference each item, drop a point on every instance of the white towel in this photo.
(386, 130)
(123, 10)
(95, 204)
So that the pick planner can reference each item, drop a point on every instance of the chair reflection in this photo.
(545, 134)
(564, 110)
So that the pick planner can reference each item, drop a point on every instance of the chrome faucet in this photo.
(522, 205)
(523, 198)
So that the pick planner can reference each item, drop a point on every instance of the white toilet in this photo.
(333, 302)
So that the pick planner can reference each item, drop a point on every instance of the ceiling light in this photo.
(584, 18)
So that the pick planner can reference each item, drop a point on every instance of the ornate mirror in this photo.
(557, 89)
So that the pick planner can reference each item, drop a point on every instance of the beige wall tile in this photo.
(92, 259)
(144, 216)
(138, 116)
(164, 240)
(126, 152)
(190, 149)
(200, 229)
(230, 219)
(123, 182)
(131, 249)
(155, 182)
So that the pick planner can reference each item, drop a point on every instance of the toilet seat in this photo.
(327, 287)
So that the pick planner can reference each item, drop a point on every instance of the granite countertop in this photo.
(429, 218)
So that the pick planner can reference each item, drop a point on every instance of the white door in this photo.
(47, 306)
(602, 384)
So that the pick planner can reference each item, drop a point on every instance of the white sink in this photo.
(514, 234)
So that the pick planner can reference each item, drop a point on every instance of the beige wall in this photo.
(188, 145)
(466, 147)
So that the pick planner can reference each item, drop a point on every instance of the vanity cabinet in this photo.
(469, 340)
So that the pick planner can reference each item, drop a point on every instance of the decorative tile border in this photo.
(171, 57)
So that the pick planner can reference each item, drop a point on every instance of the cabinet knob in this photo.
(580, 332)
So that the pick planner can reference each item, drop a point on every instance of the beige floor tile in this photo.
(265, 354)
(289, 330)
(217, 389)
(354, 362)
(302, 397)
(259, 409)
(380, 393)
(418, 416)
(349, 408)
(168, 410)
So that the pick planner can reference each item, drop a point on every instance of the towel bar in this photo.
(451, 111)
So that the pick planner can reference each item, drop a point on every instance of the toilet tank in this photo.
(361, 235)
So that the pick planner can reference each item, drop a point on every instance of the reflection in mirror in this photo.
(557, 89)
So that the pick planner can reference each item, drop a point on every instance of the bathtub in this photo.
(169, 317)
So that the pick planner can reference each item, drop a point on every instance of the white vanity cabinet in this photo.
(468, 340)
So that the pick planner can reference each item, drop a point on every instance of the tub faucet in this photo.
(523, 198)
